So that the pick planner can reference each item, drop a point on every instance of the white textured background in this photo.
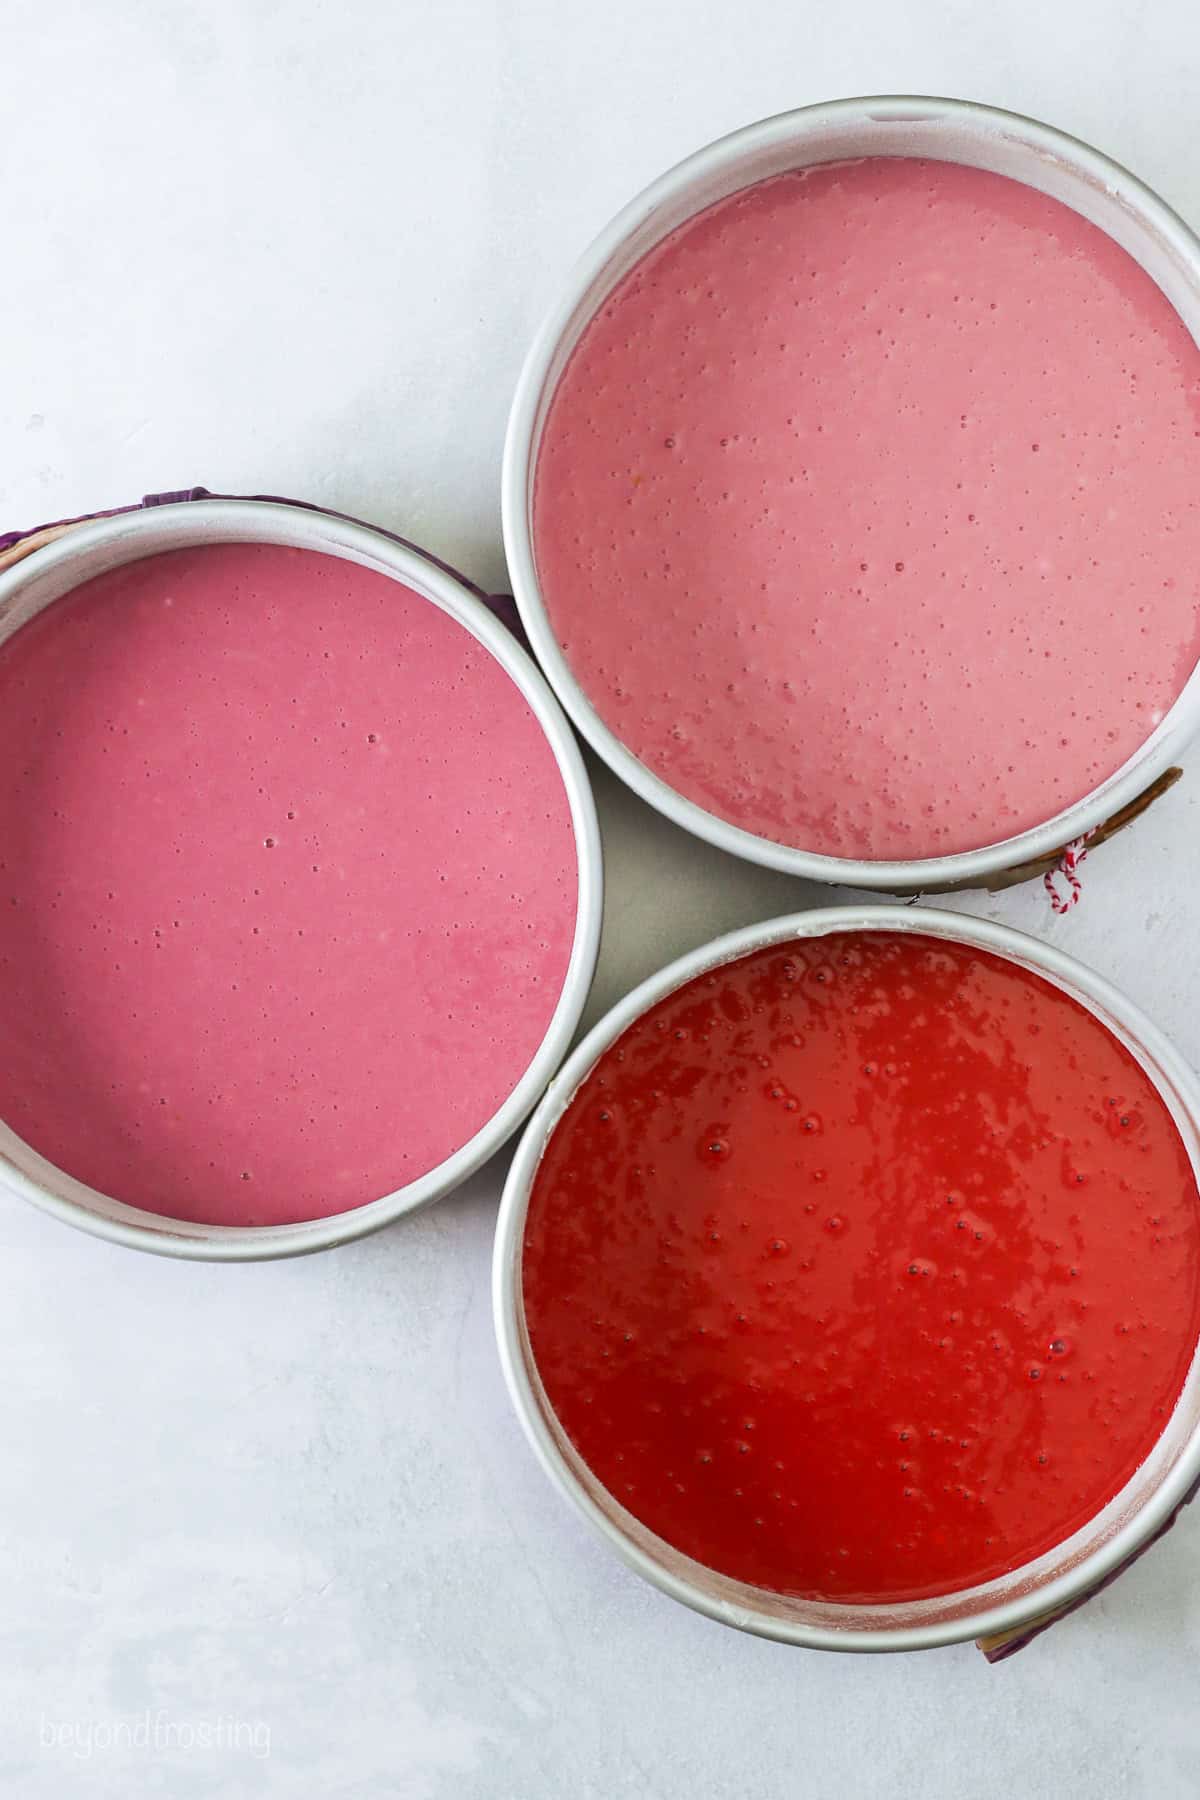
(299, 246)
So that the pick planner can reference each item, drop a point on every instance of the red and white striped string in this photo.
(1067, 866)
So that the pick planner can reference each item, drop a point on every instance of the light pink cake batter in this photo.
(287, 884)
(866, 509)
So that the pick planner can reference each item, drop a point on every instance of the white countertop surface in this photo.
(300, 249)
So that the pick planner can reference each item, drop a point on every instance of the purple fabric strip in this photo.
(1013, 1644)
(503, 605)
(9, 538)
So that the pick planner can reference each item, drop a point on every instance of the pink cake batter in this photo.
(866, 509)
(287, 884)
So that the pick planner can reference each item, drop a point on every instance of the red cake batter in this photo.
(864, 1268)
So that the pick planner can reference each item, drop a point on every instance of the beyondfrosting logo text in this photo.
(155, 1730)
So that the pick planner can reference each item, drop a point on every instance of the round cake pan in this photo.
(74, 556)
(1012, 1604)
(954, 131)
